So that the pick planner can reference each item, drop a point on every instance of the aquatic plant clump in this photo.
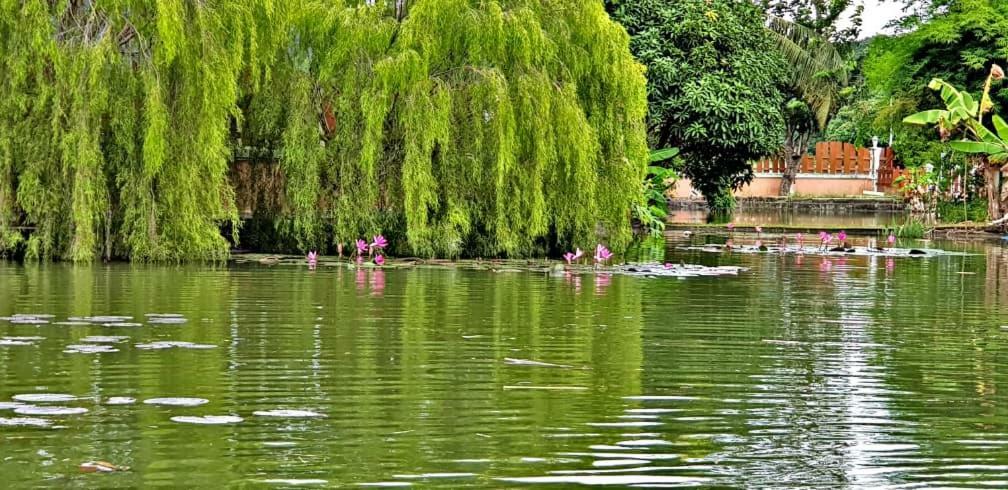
(491, 127)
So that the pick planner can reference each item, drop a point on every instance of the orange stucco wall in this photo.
(805, 185)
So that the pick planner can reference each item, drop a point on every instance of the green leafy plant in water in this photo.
(911, 228)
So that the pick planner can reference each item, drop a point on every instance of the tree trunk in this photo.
(790, 173)
(992, 178)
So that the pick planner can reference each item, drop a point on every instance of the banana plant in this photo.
(653, 213)
(965, 114)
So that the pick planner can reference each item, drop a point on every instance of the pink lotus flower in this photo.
(842, 236)
(602, 254)
(823, 237)
(891, 239)
(379, 260)
(379, 241)
(312, 259)
(731, 226)
(568, 257)
(362, 246)
(759, 229)
(578, 253)
(800, 239)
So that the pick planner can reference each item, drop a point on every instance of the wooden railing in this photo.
(837, 158)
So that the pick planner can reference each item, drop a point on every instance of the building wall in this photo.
(809, 185)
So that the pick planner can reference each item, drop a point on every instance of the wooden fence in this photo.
(836, 158)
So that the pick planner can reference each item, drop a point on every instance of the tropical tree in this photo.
(713, 90)
(808, 35)
(964, 116)
(490, 127)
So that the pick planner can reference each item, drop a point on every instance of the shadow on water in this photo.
(805, 371)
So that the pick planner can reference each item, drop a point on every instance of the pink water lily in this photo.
(362, 246)
(823, 237)
(602, 253)
(842, 237)
(578, 253)
(731, 226)
(568, 257)
(379, 241)
(800, 239)
(379, 260)
(891, 239)
(759, 229)
(312, 259)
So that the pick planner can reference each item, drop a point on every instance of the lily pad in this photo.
(122, 324)
(24, 339)
(72, 323)
(177, 402)
(89, 349)
(24, 422)
(10, 405)
(104, 339)
(28, 321)
(102, 319)
(208, 419)
(166, 318)
(120, 400)
(171, 344)
(10, 343)
(291, 414)
(44, 398)
(33, 410)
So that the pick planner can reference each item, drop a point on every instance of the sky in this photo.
(876, 15)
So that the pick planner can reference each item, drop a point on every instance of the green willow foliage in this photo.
(458, 126)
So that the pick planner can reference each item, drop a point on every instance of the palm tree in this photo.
(819, 72)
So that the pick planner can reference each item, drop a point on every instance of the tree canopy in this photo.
(713, 85)
(457, 126)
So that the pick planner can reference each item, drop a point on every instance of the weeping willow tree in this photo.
(457, 126)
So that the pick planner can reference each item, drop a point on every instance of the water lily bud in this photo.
(997, 72)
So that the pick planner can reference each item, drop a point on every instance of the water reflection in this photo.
(805, 371)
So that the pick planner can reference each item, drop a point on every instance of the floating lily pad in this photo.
(208, 419)
(28, 321)
(89, 349)
(33, 410)
(10, 405)
(122, 324)
(120, 400)
(100, 319)
(25, 339)
(171, 344)
(104, 339)
(44, 398)
(165, 318)
(177, 402)
(24, 422)
(291, 414)
(9, 343)
(72, 323)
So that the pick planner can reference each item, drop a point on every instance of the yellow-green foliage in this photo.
(479, 126)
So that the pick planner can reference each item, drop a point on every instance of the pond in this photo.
(827, 219)
(864, 372)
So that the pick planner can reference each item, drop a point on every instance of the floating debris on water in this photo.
(527, 362)
(24, 422)
(89, 349)
(44, 398)
(120, 400)
(288, 413)
(171, 344)
(33, 410)
(177, 402)
(208, 419)
(104, 339)
(101, 467)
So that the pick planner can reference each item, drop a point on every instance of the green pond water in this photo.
(802, 372)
